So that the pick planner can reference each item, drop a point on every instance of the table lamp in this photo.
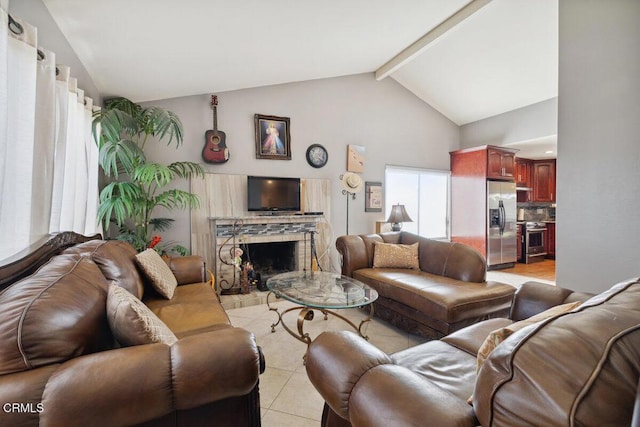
(398, 216)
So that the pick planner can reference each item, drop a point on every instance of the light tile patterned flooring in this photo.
(287, 398)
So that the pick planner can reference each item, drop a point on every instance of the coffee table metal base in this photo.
(307, 313)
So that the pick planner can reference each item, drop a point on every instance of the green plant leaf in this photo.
(153, 172)
(123, 104)
(161, 224)
(162, 124)
(122, 155)
(115, 124)
(187, 169)
(118, 202)
(175, 198)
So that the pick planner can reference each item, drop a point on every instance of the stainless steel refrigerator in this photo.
(501, 224)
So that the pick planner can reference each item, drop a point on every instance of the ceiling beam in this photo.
(415, 49)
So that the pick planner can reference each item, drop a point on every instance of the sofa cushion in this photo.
(392, 255)
(439, 297)
(56, 314)
(579, 368)
(442, 364)
(116, 260)
(158, 272)
(193, 309)
(132, 323)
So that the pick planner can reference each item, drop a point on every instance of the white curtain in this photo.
(48, 158)
(17, 185)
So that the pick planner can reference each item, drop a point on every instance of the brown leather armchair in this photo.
(580, 367)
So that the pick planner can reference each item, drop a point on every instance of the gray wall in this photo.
(598, 240)
(531, 122)
(50, 37)
(393, 125)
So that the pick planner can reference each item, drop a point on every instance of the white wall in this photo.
(395, 127)
(598, 240)
(531, 122)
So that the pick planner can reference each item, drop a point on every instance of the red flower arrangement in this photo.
(154, 241)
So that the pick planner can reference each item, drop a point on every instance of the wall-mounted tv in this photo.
(273, 194)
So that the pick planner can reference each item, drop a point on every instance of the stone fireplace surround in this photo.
(242, 231)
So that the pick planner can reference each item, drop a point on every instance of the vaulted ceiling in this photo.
(469, 60)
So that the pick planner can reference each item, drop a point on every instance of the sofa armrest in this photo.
(137, 384)
(393, 395)
(360, 383)
(535, 297)
(25, 389)
(188, 269)
(335, 361)
(353, 252)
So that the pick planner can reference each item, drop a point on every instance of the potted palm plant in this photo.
(137, 187)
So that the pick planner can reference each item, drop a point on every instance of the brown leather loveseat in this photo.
(449, 290)
(577, 367)
(61, 365)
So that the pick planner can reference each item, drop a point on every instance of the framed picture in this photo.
(355, 158)
(372, 196)
(273, 139)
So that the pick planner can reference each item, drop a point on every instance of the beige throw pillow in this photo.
(158, 272)
(132, 323)
(393, 255)
(499, 335)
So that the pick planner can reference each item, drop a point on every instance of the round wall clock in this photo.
(317, 155)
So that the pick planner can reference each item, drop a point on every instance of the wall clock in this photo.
(317, 155)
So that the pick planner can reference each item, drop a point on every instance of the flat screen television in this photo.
(271, 194)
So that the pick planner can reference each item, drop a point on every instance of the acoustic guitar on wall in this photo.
(215, 147)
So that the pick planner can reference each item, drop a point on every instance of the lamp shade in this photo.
(398, 215)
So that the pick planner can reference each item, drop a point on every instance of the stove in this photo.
(534, 234)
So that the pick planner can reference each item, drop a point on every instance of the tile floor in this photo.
(287, 398)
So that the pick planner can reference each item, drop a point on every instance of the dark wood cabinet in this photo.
(544, 181)
(501, 163)
(523, 172)
(470, 169)
(550, 244)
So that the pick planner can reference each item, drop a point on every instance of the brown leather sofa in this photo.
(447, 293)
(578, 368)
(60, 364)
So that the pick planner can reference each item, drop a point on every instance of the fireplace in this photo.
(273, 245)
(269, 259)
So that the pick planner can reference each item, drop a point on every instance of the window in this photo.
(425, 195)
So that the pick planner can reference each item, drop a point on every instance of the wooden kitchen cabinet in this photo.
(544, 181)
(501, 163)
(550, 244)
(523, 172)
(470, 169)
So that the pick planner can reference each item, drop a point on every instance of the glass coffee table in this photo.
(319, 290)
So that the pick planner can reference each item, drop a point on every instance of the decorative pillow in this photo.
(499, 335)
(395, 256)
(158, 272)
(132, 323)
